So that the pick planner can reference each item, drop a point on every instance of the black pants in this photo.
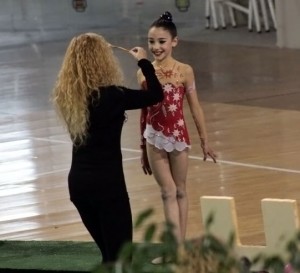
(109, 222)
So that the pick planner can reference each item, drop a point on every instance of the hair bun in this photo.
(166, 16)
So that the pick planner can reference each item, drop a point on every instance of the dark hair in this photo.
(165, 21)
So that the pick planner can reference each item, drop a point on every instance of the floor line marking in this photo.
(131, 158)
(51, 140)
(234, 163)
(250, 165)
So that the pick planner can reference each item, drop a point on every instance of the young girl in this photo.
(165, 140)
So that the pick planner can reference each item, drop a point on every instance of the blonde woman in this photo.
(91, 101)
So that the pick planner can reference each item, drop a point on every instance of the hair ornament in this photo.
(166, 16)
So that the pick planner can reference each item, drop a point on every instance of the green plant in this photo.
(278, 264)
(203, 255)
(135, 257)
(206, 254)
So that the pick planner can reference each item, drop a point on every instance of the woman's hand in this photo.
(138, 53)
(145, 162)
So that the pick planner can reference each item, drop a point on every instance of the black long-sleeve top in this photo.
(96, 168)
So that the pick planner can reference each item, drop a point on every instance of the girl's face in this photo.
(161, 43)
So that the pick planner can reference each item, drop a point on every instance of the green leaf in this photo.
(292, 247)
(127, 251)
(149, 233)
(231, 240)
(258, 258)
(209, 221)
(142, 217)
(295, 260)
(275, 263)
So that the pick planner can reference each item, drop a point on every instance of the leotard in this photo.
(165, 125)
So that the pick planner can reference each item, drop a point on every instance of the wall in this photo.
(39, 18)
(288, 20)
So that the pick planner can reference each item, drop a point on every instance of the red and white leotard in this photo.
(165, 125)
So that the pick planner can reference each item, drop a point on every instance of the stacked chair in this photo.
(257, 12)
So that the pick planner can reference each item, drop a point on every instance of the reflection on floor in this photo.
(250, 91)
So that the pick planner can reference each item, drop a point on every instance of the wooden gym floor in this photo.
(251, 98)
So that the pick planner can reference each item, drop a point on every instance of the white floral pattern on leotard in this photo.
(165, 124)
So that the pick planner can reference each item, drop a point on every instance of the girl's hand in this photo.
(138, 53)
(145, 162)
(207, 151)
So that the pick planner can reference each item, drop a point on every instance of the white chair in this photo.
(211, 9)
(252, 12)
(265, 15)
(272, 12)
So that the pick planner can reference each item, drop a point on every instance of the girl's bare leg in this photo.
(173, 192)
(179, 165)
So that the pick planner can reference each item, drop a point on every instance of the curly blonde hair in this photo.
(89, 63)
